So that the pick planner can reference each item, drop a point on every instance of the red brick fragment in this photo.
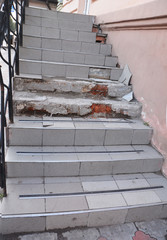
(95, 29)
(139, 235)
(100, 108)
(101, 90)
(100, 39)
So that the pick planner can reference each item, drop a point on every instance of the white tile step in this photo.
(77, 132)
(56, 15)
(81, 88)
(41, 54)
(28, 102)
(92, 210)
(66, 69)
(81, 161)
(67, 45)
(59, 23)
(58, 33)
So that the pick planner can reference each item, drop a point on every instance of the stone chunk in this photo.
(125, 76)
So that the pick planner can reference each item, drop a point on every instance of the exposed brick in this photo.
(101, 90)
(100, 108)
(95, 29)
(100, 39)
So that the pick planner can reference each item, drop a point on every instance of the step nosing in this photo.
(86, 193)
(71, 152)
(33, 215)
(71, 64)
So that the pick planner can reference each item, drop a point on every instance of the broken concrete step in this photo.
(59, 23)
(76, 132)
(59, 69)
(21, 214)
(40, 54)
(66, 45)
(81, 161)
(77, 87)
(61, 16)
(30, 103)
(105, 73)
(56, 33)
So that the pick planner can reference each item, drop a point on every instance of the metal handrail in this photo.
(13, 67)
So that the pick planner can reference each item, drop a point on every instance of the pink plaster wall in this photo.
(70, 5)
(144, 49)
(143, 46)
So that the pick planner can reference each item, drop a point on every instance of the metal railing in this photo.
(12, 17)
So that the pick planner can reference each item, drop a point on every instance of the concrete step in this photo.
(68, 70)
(66, 45)
(78, 87)
(68, 161)
(38, 103)
(58, 16)
(58, 23)
(42, 204)
(57, 33)
(49, 131)
(51, 55)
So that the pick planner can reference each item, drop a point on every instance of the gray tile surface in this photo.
(29, 67)
(106, 201)
(87, 37)
(61, 169)
(77, 71)
(90, 47)
(142, 197)
(92, 137)
(53, 70)
(69, 35)
(117, 137)
(29, 41)
(64, 137)
(15, 225)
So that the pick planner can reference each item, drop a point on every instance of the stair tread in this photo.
(81, 154)
(65, 51)
(39, 77)
(13, 205)
(40, 97)
(41, 12)
(70, 64)
(34, 78)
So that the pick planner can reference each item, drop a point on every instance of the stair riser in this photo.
(66, 45)
(56, 33)
(67, 57)
(68, 70)
(83, 219)
(77, 137)
(61, 24)
(59, 15)
(85, 168)
(79, 88)
(92, 108)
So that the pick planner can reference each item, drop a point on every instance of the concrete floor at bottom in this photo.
(153, 230)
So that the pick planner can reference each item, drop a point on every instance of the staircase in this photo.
(78, 154)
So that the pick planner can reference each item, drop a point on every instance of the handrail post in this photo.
(21, 26)
(17, 41)
(8, 9)
(2, 137)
